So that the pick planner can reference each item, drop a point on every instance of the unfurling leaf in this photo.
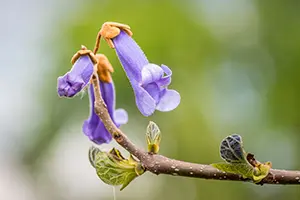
(113, 169)
(239, 168)
(239, 162)
(261, 171)
(153, 136)
(232, 149)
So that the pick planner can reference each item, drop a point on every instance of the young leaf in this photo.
(232, 149)
(92, 155)
(153, 136)
(239, 162)
(238, 168)
(113, 169)
(261, 171)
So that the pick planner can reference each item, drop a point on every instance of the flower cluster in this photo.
(149, 81)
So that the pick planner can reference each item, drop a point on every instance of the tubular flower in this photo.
(93, 126)
(149, 81)
(79, 76)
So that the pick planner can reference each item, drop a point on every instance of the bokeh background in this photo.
(235, 64)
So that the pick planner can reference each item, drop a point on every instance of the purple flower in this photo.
(149, 81)
(77, 78)
(93, 127)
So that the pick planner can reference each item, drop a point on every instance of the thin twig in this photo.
(159, 164)
(97, 44)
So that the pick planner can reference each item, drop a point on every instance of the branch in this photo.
(159, 164)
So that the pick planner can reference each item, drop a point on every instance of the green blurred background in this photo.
(235, 64)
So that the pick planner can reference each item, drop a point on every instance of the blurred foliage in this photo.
(170, 34)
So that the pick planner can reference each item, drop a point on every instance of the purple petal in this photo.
(149, 81)
(145, 103)
(108, 95)
(169, 100)
(83, 67)
(151, 73)
(96, 132)
(120, 116)
(77, 78)
(68, 88)
(167, 70)
(130, 55)
(93, 127)
(166, 80)
(154, 91)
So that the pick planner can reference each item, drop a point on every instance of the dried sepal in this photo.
(104, 68)
(84, 51)
(110, 30)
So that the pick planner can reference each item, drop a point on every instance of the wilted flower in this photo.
(149, 81)
(77, 78)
